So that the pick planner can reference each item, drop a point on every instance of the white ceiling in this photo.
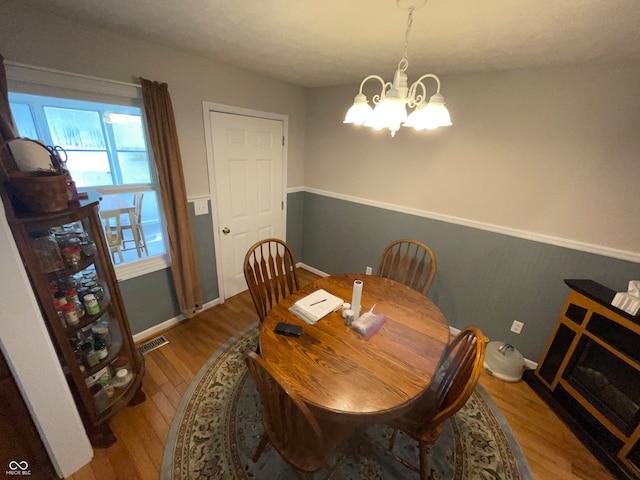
(335, 42)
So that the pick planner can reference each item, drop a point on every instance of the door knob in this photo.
(226, 230)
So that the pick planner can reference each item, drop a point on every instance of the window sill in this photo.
(142, 267)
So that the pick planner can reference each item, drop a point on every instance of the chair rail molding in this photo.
(513, 232)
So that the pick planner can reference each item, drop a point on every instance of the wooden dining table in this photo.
(345, 376)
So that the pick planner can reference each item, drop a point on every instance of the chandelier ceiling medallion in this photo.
(390, 105)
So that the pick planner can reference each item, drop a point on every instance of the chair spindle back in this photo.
(409, 262)
(269, 269)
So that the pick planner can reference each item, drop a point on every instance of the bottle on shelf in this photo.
(89, 354)
(70, 314)
(100, 346)
(91, 304)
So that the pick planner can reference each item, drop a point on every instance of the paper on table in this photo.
(296, 311)
(317, 304)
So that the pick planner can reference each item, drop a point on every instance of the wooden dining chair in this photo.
(270, 272)
(137, 232)
(409, 262)
(454, 381)
(113, 233)
(304, 441)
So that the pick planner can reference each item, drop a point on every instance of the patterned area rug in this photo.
(218, 425)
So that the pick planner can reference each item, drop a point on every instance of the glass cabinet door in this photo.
(81, 297)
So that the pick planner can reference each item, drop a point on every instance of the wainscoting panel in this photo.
(202, 226)
(484, 278)
(149, 300)
(295, 214)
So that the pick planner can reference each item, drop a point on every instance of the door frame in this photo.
(207, 108)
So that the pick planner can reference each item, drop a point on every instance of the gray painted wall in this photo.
(535, 150)
(150, 299)
(295, 216)
(25, 37)
(509, 148)
(484, 278)
(205, 253)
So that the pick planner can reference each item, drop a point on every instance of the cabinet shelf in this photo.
(89, 319)
(120, 398)
(113, 350)
(83, 219)
(68, 271)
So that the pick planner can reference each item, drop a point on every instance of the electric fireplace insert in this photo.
(590, 374)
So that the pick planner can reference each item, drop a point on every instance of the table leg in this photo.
(134, 232)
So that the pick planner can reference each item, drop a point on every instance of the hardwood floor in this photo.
(552, 451)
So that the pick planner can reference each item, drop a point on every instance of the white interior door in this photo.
(248, 171)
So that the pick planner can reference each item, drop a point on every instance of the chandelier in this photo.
(390, 105)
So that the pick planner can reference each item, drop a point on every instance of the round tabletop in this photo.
(338, 372)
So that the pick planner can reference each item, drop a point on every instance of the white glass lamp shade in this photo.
(436, 114)
(389, 113)
(417, 118)
(360, 112)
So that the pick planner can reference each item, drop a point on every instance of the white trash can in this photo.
(503, 361)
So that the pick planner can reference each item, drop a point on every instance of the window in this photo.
(105, 145)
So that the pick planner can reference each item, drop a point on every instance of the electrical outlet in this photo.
(516, 326)
(368, 271)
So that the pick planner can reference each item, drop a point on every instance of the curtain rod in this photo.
(77, 75)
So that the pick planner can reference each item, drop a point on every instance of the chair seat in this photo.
(416, 419)
(306, 442)
(333, 434)
(455, 379)
(414, 428)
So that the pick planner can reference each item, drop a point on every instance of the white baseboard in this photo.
(149, 332)
(175, 320)
(311, 269)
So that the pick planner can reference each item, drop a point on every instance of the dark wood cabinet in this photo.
(68, 261)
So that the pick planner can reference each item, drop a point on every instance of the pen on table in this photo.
(319, 301)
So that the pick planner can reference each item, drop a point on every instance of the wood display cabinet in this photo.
(68, 263)
(590, 374)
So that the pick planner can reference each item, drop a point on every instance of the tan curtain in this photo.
(164, 142)
(8, 128)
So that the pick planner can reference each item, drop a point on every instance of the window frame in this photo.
(56, 83)
(38, 106)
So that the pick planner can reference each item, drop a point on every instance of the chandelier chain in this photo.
(396, 96)
(406, 36)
